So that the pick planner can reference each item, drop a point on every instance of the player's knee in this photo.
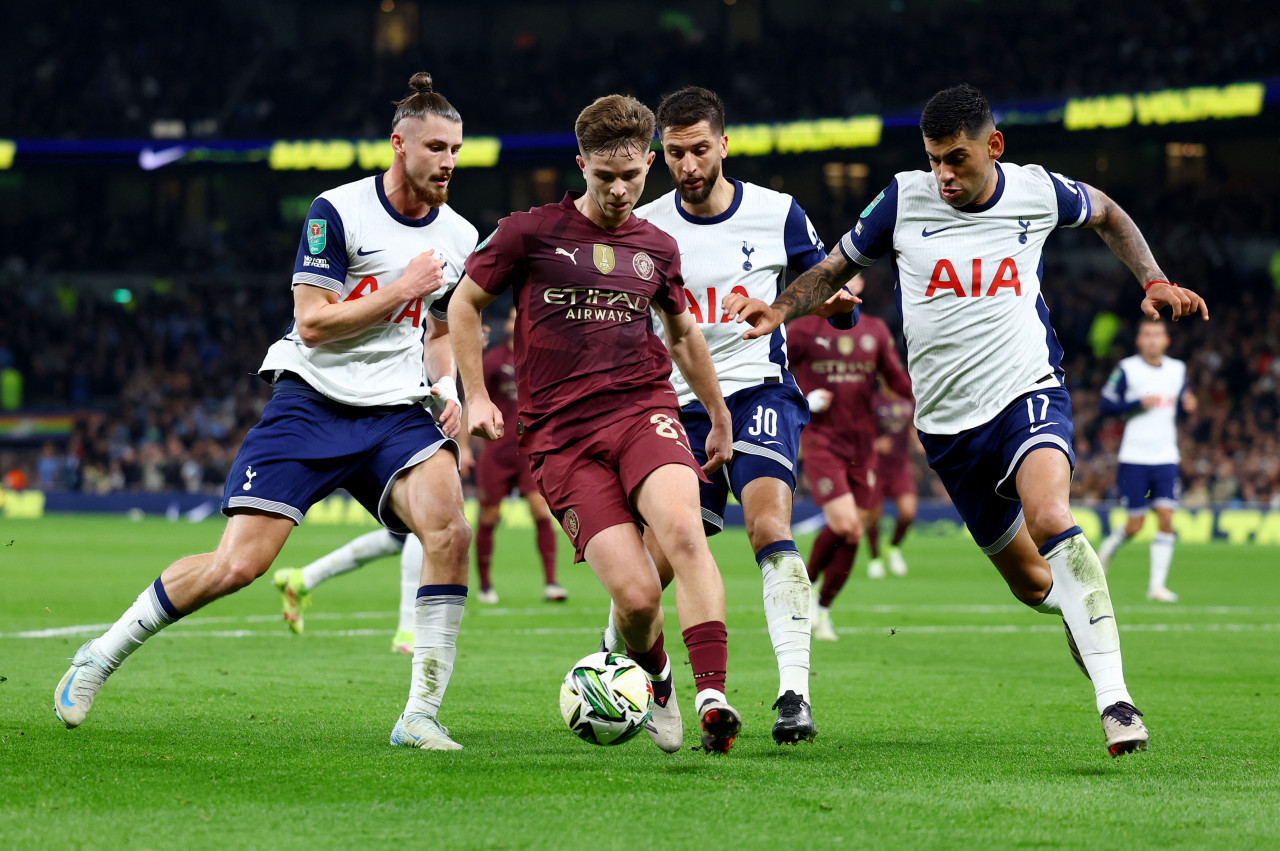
(489, 514)
(682, 535)
(847, 528)
(1133, 526)
(762, 531)
(235, 570)
(447, 541)
(1045, 521)
(639, 603)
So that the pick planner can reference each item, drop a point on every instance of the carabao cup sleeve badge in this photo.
(316, 233)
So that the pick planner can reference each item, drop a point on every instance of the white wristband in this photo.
(445, 390)
(817, 401)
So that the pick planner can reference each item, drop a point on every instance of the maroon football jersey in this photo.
(846, 363)
(584, 351)
(894, 421)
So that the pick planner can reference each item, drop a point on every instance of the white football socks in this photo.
(411, 565)
(436, 621)
(149, 614)
(349, 556)
(787, 611)
(613, 642)
(1079, 594)
(1110, 544)
(1161, 558)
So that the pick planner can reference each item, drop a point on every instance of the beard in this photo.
(701, 195)
(428, 193)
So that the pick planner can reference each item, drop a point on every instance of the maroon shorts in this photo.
(893, 477)
(832, 476)
(588, 484)
(501, 469)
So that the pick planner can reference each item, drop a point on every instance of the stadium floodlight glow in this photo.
(1168, 106)
(7, 149)
(122, 295)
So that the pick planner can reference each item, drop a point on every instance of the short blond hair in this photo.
(613, 124)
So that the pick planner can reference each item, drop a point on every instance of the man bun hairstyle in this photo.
(957, 109)
(423, 101)
(688, 106)
(614, 124)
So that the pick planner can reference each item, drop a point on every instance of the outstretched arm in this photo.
(1125, 241)
(806, 295)
(689, 350)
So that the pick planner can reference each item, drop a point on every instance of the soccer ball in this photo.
(606, 699)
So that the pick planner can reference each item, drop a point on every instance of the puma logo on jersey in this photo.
(569, 254)
(250, 475)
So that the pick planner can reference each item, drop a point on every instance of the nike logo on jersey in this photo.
(362, 253)
(774, 442)
(1101, 618)
(570, 254)
(926, 233)
(1036, 428)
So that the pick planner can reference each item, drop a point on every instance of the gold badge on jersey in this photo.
(603, 257)
(844, 345)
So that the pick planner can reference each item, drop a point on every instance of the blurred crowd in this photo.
(128, 70)
(163, 386)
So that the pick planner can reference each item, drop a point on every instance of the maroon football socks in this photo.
(708, 645)
(654, 662)
(484, 554)
(547, 549)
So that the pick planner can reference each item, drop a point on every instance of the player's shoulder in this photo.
(348, 195)
(654, 237)
(757, 197)
(871, 324)
(1129, 362)
(661, 209)
(453, 221)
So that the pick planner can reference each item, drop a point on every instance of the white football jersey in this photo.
(354, 242)
(976, 326)
(746, 250)
(1151, 434)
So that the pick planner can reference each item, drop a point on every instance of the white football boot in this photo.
(1124, 732)
(1161, 595)
(664, 725)
(73, 698)
(422, 731)
(720, 724)
(488, 596)
(897, 564)
(553, 593)
(875, 569)
(823, 629)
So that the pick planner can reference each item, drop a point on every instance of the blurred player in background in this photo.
(837, 369)
(1151, 389)
(991, 408)
(348, 410)
(739, 237)
(295, 584)
(597, 414)
(501, 468)
(893, 480)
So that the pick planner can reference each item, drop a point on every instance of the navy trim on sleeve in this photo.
(439, 309)
(1111, 401)
(872, 237)
(326, 265)
(804, 249)
(1073, 202)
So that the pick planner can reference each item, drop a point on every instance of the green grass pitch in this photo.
(948, 714)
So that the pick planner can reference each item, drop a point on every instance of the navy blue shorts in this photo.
(979, 466)
(1138, 482)
(767, 421)
(302, 450)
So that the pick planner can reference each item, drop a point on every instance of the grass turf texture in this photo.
(948, 715)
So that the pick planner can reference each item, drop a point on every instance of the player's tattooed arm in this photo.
(1124, 239)
(807, 294)
(689, 351)
(483, 417)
